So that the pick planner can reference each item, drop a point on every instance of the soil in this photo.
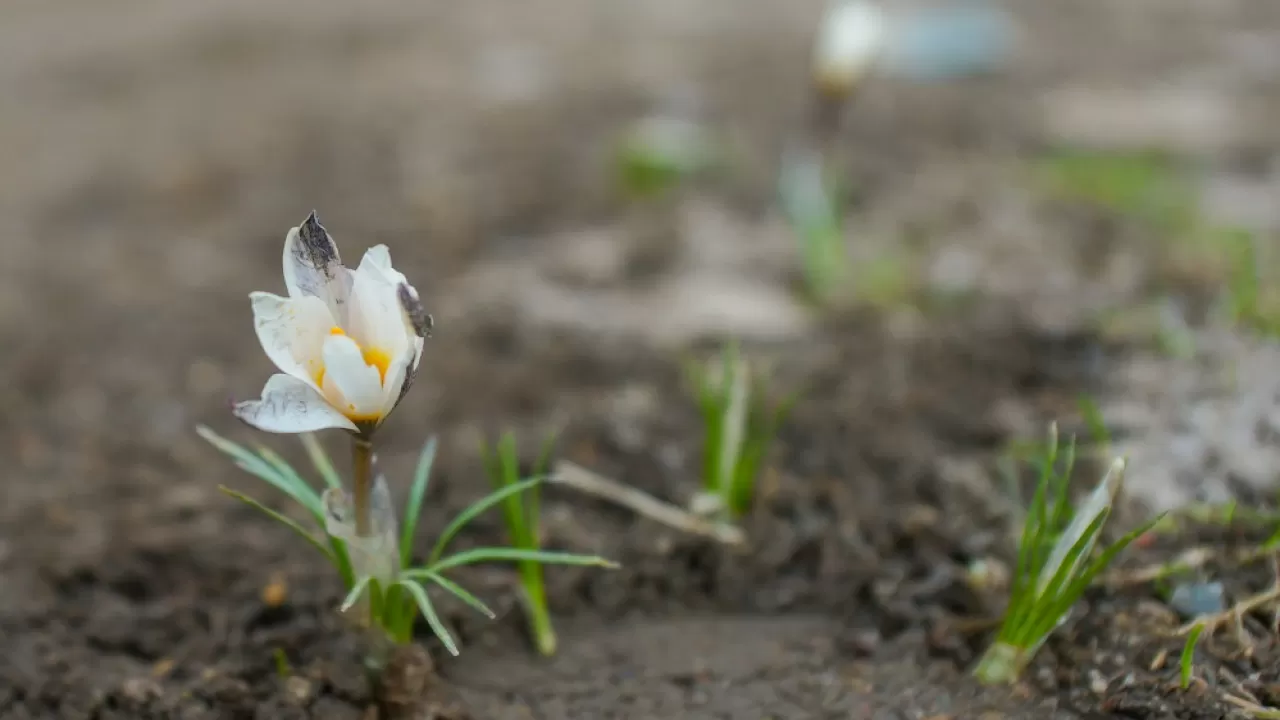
(157, 152)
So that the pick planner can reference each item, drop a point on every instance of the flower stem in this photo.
(362, 459)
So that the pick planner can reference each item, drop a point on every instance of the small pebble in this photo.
(140, 689)
(298, 690)
(986, 574)
(1195, 599)
(275, 593)
(1097, 683)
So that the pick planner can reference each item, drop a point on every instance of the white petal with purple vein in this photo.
(289, 405)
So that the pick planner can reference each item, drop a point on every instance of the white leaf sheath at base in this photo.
(377, 554)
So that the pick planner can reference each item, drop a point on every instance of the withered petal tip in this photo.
(422, 321)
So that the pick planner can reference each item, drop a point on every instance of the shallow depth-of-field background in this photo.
(1053, 229)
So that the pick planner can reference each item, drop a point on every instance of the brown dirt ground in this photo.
(155, 154)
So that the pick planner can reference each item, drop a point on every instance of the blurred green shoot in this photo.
(662, 151)
(1251, 299)
(883, 282)
(392, 598)
(1188, 656)
(1146, 186)
(521, 514)
(740, 426)
(1030, 451)
(1160, 321)
(1055, 561)
(810, 207)
(1095, 423)
(283, 670)
(1150, 188)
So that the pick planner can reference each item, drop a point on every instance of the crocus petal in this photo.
(378, 258)
(399, 376)
(375, 313)
(358, 386)
(292, 332)
(313, 267)
(289, 405)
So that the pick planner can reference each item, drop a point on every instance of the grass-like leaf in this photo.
(273, 469)
(738, 429)
(300, 486)
(419, 594)
(473, 511)
(520, 512)
(461, 593)
(393, 602)
(1185, 662)
(320, 459)
(265, 470)
(353, 597)
(1056, 561)
(282, 519)
(417, 491)
(507, 554)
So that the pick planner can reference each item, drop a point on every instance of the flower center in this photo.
(373, 357)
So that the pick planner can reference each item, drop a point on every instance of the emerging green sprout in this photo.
(520, 512)
(662, 151)
(1251, 300)
(849, 41)
(348, 344)
(740, 428)
(1187, 659)
(811, 209)
(1055, 562)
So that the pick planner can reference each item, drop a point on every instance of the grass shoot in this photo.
(520, 512)
(1250, 298)
(1055, 561)
(810, 207)
(392, 595)
(740, 427)
(663, 151)
(1185, 662)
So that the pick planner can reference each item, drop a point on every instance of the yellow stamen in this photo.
(377, 358)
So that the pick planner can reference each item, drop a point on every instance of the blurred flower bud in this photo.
(851, 37)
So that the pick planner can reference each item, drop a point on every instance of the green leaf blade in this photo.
(282, 519)
(501, 554)
(461, 593)
(417, 493)
(419, 594)
(473, 511)
(262, 469)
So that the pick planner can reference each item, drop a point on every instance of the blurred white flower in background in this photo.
(850, 38)
(957, 39)
(347, 342)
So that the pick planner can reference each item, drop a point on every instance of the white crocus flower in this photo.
(852, 35)
(348, 343)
